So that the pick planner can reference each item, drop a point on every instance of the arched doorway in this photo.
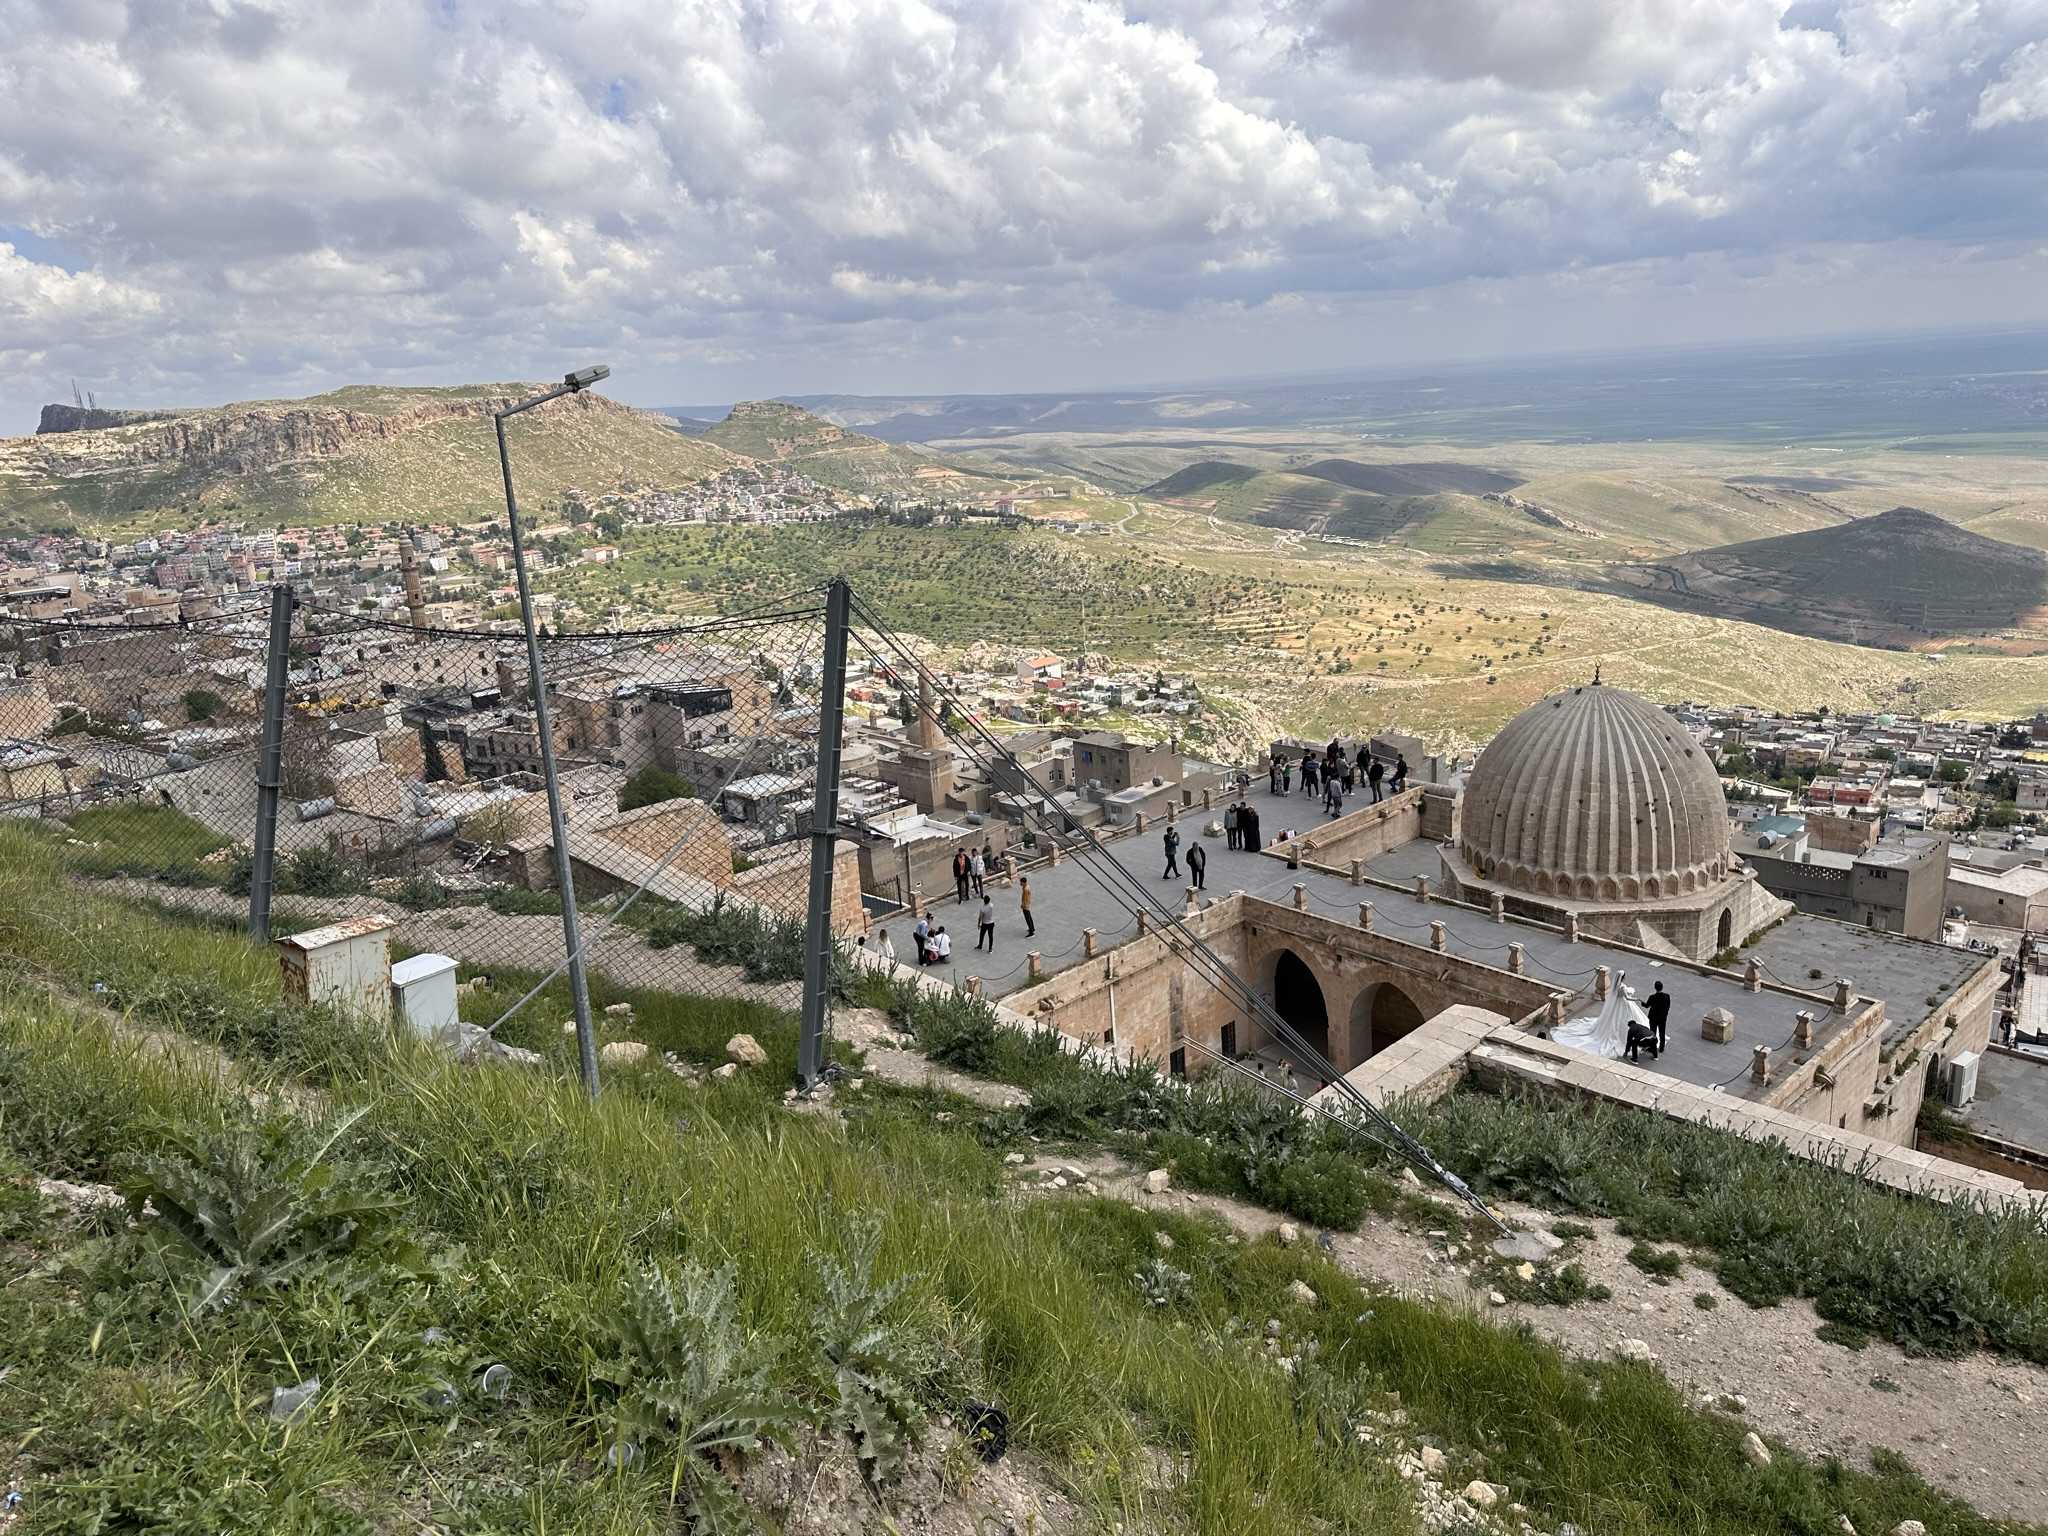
(1726, 932)
(1382, 1015)
(1298, 998)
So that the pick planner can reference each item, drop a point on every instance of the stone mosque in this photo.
(1597, 803)
(1450, 929)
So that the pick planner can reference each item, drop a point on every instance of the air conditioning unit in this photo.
(1959, 1081)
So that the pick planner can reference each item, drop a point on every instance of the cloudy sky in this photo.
(208, 199)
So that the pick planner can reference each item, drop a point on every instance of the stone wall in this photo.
(1351, 965)
(1365, 833)
(783, 886)
(1140, 997)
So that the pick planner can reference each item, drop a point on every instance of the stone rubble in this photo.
(746, 1051)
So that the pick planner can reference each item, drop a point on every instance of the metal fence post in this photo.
(810, 1057)
(572, 932)
(270, 764)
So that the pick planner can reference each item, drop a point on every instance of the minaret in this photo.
(927, 732)
(409, 562)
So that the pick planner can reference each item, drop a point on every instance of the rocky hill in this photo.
(773, 431)
(1903, 578)
(357, 453)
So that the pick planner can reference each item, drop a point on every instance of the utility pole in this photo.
(270, 763)
(572, 931)
(810, 1051)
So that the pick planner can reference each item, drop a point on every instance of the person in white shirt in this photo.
(942, 945)
(977, 869)
(884, 948)
(987, 936)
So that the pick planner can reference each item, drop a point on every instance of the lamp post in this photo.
(572, 932)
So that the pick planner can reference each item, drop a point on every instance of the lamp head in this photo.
(583, 378)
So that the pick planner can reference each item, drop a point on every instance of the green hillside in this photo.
(1904, 578)
(357, 454)
(772, 432)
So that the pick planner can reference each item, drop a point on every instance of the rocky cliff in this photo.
(79, 418)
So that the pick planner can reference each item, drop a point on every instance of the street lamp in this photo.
(572, 933)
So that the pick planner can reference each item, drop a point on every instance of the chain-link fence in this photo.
(410, 784)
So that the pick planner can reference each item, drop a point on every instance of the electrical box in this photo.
(1959, 1084)
(423, 998)
(344, 966)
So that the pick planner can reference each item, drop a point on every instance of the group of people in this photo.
(931, 944)
(971, 869)
(1241, 826)
(1336, 776)
(1197, 856)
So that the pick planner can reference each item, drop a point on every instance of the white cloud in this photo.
(777, 194)
(2021, 92)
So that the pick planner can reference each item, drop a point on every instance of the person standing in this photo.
(1350, 778)
(1400, 773)
(1308, 774)
(1024, 905)
(987, 936)
(921, 935)
(963, 875)
(1374, 772)
(1172, 841)
(1230, 826)
(1273, 776)
(977, 870)
(884, 948)
(1198, 865)
(1249, 821)
(1658, 1007)
(1287, 777)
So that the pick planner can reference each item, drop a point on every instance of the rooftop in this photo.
(1902, 971)
(1068, 898)
(2012, 1099)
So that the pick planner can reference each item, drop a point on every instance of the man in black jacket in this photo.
(1658, 1007)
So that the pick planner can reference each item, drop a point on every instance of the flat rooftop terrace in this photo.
(1069, 898)
(2012, 1099)
(1904, 972)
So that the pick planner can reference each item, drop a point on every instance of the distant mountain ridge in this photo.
(361, 452)
(1901, 578)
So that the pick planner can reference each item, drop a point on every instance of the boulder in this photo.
(1635, 1349)
(623, 1053)
(1909, 1528)
(1433, 1461)
(618, 1010)
(1754, 1451)
(746, 1051)
(1481, 1495)
(1158, 1181)
(1289, 1234)
(1299, 1292)
(730, 1069)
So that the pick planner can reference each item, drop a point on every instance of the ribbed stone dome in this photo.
(1596, 795)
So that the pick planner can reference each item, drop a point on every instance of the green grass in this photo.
(535, 1208)
(133, 838)
(530, 1211)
